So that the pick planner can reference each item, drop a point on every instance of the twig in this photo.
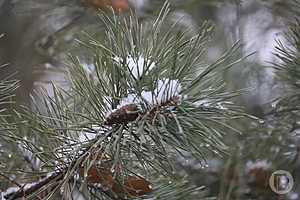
(57, 176)
(26, 191)
(173, 101)
(130, 112)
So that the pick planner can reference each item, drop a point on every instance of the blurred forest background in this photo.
(38, 35)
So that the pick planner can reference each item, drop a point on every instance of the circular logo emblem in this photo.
(281, 182)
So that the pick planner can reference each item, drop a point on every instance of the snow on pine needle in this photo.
(165, 88)
(137, 66)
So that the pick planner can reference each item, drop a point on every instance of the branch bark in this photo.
(57, 176)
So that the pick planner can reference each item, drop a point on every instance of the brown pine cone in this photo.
(123, 115)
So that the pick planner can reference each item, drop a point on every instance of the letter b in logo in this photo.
(281, 182)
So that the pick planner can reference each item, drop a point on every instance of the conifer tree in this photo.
(148, 98)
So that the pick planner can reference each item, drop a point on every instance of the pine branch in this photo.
(130, 112)
(148, 98)
(54, 176)
(23, 192)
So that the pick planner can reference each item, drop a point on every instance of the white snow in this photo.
(208, 103)
(202, 102)
(89, 68)
(34, 161)
(137, 66)
(164, 90)
(25, 186)
(9, 191)
(86, 135)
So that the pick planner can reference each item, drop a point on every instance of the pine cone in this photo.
(123, 115)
